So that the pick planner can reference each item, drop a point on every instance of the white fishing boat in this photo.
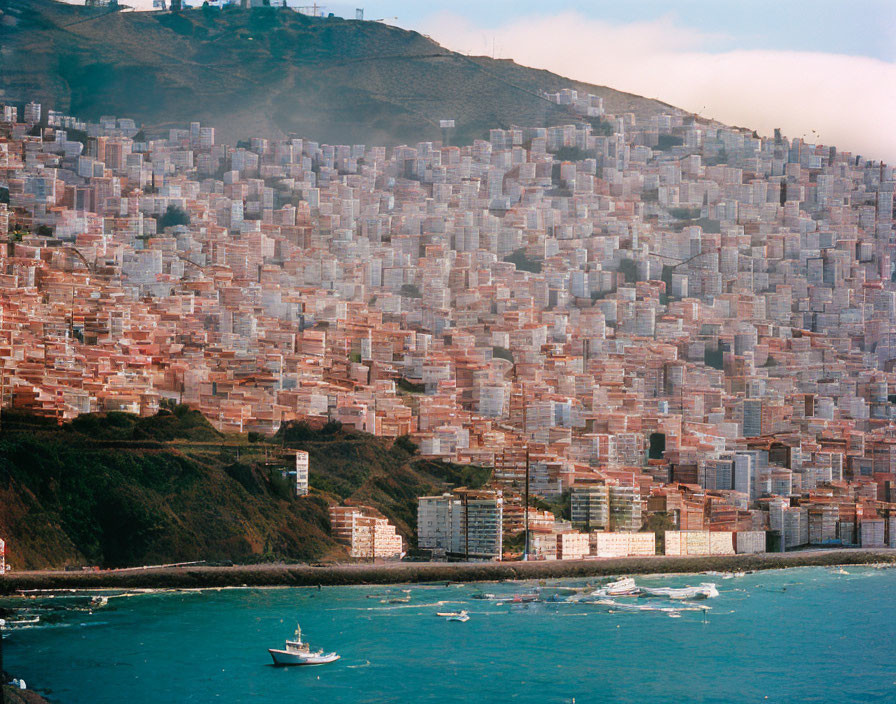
(621, 587)
(706, 590)
(461, 616)
(298, 652)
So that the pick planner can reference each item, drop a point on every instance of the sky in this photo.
(824, 70)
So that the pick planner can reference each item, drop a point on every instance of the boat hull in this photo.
(707, 590)
(284, 658)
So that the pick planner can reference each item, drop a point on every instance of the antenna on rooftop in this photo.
(314, 10)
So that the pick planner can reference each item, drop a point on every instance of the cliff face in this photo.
(267, 72)
(117, 491)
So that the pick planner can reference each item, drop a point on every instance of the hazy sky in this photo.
(811, 67)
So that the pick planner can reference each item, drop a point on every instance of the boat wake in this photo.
(366, 663)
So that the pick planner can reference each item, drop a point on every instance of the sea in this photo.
(795, 635)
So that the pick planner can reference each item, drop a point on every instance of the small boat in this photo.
(461, 616)
(524, 598)
(557, 599)
(98, 602)
(706, 590)
(24, 621)
(400, 600)
(484, 595)
(298, 652)
(621, 587)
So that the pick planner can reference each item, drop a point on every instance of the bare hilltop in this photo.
(270, 71)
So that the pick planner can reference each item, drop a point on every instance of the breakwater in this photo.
(304, 575)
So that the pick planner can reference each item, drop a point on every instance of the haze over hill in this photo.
(270, 71)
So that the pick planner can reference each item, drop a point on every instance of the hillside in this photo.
(117, 490)
(267, 72)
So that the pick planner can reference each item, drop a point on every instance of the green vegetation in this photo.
(685, 213)
(410, 291)
(629, 268)
(601, 127)
(658, 523)
(668, 141)
(409, 387)
(657, 446)
(515, 542)
(560, 506)
(268, 71)
(572, 154)
(522, 262)
(118, 490)
(174, 215)
(714, 358)
(503, 353)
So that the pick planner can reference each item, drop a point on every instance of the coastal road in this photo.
(305, 575)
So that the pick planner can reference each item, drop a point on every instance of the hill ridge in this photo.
(270, 72)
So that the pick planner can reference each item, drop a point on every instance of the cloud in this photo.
(848, 101)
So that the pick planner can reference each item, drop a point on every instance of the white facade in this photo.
(468, 525)
(301, 473)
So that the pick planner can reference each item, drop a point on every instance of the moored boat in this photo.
(706, 590)
(524, 598)
(621, 587)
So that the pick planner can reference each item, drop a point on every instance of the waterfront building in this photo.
(366, 532)
(465, 523)
(606, 507)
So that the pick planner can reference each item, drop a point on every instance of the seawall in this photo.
(303, 575)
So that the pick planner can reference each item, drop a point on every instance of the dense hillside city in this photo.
(652, 326)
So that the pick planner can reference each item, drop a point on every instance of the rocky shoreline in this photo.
(14, 695)
(304, 575)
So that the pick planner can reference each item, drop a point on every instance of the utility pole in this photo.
(526, 507)
(464, 499)
(2, 690)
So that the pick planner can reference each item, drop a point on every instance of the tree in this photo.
(174, 215)
(522, 262)
(502, 353)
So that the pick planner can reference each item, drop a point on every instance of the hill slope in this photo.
(118, 490)
(269, 71)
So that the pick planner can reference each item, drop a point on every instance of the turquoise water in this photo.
(809, 635)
